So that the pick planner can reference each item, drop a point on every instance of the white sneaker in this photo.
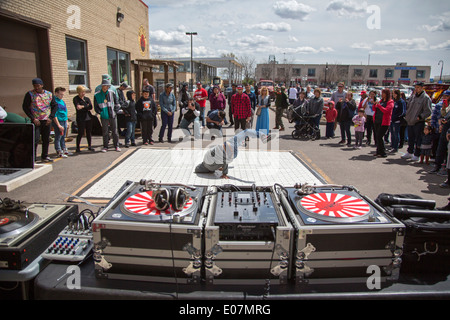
(104, 150)
(415, 158)
(407, 156)
(118, 149)
(61, 154)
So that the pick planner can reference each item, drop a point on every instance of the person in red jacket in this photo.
(331, 115)
(382, 120)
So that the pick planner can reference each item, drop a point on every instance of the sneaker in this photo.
(62, 154)
(118, 149)
(104, 150)
(127, 145)
(434, 171)
(47, 159)
(407, 156)
(442, 172)
(415, 158)
(91, 149)
(67, 153)
(445, 185)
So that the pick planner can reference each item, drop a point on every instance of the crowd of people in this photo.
(424, 127)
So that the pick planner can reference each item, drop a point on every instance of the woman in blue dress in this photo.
(263, 121)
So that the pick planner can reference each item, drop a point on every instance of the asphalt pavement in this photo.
(337, 164)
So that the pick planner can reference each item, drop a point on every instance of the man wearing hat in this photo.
(419, 109)
(241, 108)
(40, 106)
(444, 126)
(106, 104)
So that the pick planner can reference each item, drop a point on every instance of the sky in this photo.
(381, 32)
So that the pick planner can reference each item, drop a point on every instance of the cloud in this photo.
(416, 44)
(292, 10)
(443, 23)
(270, 26)
(348, 8)
(176, 3)
(379, 52)
(361, 45)
(252, 41)
(161, 37)
(301, 50)
(445, 45)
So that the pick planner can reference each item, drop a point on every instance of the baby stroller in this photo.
(304, 129)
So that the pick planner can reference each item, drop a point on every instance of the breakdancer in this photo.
(220, 156)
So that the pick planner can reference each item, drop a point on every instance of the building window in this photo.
(311, 72)
(389, 73)
(296, 72)
(420, 74)
(373, 73)
(404, 74)
(357, 72)
(76, 63)
(118, 66)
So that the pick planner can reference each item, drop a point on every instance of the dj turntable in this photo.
(339, 233)
(150, 232)
(27, 229)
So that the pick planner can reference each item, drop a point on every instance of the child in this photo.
(359, 120)
(427, 143)
(331, 115)
(60, 124)
(129, 110)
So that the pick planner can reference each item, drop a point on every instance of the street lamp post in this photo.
(442, 68)
(192, 63)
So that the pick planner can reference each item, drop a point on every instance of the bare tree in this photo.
(249, 65)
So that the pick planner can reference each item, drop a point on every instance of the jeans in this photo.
(415, 138)
(185, 126)
(108, 124)
(131, 127)
(60, 140)
(369, 128)
(395, 135)
(330, 130)
(44, 131)
(202, 116)
(380, 131)
(359, 136)
(345, 131)
(279, 118)
(167, 121)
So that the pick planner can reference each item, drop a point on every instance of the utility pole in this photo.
(192, 54)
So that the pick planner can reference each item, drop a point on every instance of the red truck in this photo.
(270, 85)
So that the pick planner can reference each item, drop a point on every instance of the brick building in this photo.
(68, 43)
(351, 75)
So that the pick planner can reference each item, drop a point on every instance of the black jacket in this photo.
(85, 113)
(129, 108)
(146, 109)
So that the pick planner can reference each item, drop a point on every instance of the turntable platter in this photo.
(14, 222)
(335, 207)
(142, 204)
